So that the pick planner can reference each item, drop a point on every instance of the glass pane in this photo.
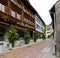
(18, 16)
(24, 19)
(0, 6)
(3, 8)
(13, 13)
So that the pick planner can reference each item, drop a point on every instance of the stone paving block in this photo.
(41, 49)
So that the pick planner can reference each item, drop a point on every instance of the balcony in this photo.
(18, 5)
(28, 13)
(28, 26)
(7, 17)
(11, 19)
(15, 8)
(3, 15)
(5, 2)
(31, 23)
(26, 21)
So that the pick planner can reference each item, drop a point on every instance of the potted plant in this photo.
(35, 36)
(26, 37)
(12, 35)
(44, 34)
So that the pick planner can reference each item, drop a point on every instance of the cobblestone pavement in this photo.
(41, 49)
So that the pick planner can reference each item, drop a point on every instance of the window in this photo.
(30, 22)
(37, 26)
(18, 16)
(2, 8)
(13, 13)
(24, 19)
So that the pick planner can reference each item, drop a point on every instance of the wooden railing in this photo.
(28, 13)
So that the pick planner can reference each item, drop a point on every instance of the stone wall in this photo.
(57, 10)
(16, 52)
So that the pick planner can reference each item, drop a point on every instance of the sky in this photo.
(43, 7)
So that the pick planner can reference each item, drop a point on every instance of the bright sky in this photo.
(43, 7)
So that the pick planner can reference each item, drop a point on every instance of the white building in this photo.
(39, 24)
(49, 30)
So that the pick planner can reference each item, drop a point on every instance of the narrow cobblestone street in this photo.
(41, 49)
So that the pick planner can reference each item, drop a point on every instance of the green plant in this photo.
(12, 35)
(40, 35)
(44, 35)
(35, 36)
(10, 49)
(51, 35)
(26, 37)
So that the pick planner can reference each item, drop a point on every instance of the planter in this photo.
(17, 43)
(35, 40)
(1, 48)
(10, 46)
(31, 41)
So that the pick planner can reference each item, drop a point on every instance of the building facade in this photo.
(19, 13)
(56, 22)
(57, 11)
(39, 25)
(49, 30)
